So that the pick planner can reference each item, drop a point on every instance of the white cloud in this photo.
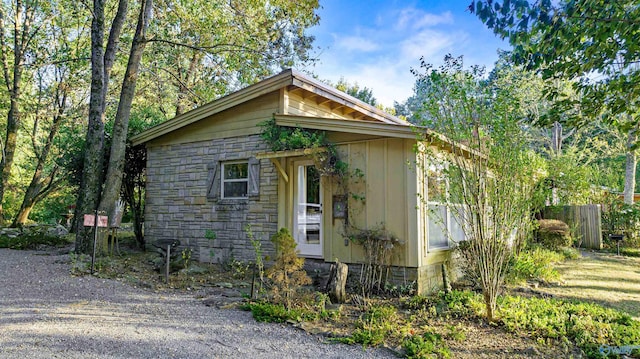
(428, 20)
(393, 42)
(427, 43)
(356, 43)
(417, 19)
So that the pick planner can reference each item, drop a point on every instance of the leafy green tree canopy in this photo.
(593, 42)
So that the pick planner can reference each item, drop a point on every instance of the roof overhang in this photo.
(347, 126)
(282, 80)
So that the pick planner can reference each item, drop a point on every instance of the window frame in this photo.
(432, 207)
(223, 180)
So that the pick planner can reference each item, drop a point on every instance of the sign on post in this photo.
(89, 221)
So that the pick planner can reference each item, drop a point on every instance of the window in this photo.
(235, 179)
(445, 218)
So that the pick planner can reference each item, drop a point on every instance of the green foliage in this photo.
(455, 332)
(186, 257)
(621, 218)
(33, 240)
(589, 326)
(543, 35)
(425, 346)
(553, 234)
(280, 138)
(286, 274)
(378, 244)
(375, 325)
(462, 304)
(363, 94)
(534, 264)
(272, 313)
(485, 162)
(259, 262)
(321, 150)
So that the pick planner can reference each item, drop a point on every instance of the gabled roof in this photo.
(290, 79)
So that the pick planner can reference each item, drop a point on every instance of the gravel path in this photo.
(47, 313)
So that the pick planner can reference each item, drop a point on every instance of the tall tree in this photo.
(486, 178)
(592, 42)
(56, 97)
(16, 40)
(113, 180)
(246, 40)
(102, 60)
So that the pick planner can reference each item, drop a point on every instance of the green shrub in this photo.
(428, 345)
(274, 313)
(462, 304)
(286, 274)
(375, 325)
(534, 264)
(32, 241)
(553, 234)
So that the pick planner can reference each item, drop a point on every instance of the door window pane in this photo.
(308, 207)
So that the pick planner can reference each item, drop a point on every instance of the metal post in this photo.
(95, 239)
(166, 274)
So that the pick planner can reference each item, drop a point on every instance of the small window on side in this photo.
(235, 180)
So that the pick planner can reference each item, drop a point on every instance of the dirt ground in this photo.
(607, 279)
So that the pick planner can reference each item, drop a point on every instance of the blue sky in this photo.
(376, 43)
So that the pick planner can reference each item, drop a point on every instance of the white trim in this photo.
(233, 180)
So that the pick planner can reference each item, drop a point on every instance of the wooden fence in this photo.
(585, 222)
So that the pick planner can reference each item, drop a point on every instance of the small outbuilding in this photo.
(210, 174)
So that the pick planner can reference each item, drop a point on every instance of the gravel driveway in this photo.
(47, 313)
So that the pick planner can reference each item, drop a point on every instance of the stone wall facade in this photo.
(178, 179)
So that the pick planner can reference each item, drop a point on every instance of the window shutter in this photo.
(254, 177)
(213, 181)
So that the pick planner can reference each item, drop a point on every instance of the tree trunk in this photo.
(490, 305)
(101, 63)
(338, 282)
(92, 166)
(34, 192)
(630, 167)
(13, 83)
(121, 126)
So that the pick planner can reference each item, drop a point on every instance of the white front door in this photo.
(307, 211)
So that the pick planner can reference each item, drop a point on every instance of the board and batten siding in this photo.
(389, 188)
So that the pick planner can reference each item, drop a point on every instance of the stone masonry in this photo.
(178, 207)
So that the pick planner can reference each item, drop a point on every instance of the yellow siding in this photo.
(389, 188)
(237, 121)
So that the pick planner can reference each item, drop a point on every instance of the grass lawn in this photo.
(607, 279)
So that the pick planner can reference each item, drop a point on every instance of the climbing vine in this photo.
(377, 242)
(323, 152)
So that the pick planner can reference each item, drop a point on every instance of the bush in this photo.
(621, 218)
(553, 234)
(425, 346)
(286, 274)
(534, 264)
(272, 313)
(33, 240)
(376, 325)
